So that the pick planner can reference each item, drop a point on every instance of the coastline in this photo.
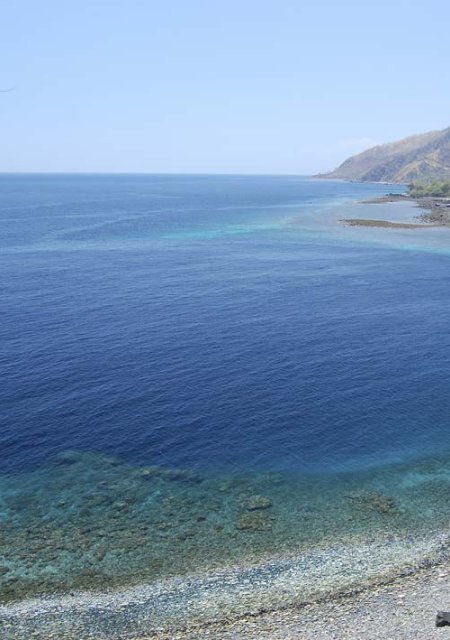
(384, 224)
(404, 609)
(252, 599)
(436, 213)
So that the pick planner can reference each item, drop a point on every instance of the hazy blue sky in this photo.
(255, 86)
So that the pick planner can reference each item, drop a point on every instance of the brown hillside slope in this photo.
(420, 157)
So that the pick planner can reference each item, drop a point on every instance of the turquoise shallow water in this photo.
(90, 521)
(206, 372)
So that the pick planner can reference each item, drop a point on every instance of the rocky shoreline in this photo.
(253, 601)
(438, 210)
(436, 213)
(156, 552)
(404, 609)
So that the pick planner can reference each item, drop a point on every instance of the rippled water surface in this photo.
(199, 371)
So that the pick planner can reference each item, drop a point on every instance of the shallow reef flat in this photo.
(386, 224)
(123, 550)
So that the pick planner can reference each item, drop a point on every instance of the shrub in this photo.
(434, 189)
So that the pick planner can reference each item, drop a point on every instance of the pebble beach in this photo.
(404, 609)
(283, 597)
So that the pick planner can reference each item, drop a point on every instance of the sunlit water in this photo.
(207, 371)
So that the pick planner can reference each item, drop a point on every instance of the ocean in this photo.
(201, 372)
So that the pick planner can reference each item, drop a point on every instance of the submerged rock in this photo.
(226, 485)
(120, 506)
(254, 521)
(374, 501)
(256, 502)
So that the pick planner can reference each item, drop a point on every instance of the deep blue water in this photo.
(215, 322)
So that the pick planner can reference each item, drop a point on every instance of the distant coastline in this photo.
(421, 157)
(435, 213)
(386, 224)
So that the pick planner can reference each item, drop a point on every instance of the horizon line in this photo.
(155, 173)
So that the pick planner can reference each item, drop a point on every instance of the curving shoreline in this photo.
(404, 609)
(385, 524)
(184, 606)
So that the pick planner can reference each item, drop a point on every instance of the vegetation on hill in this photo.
(424, 157)
(434, 189)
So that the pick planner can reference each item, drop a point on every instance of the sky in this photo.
(201, 86)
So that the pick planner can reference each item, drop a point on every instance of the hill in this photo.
(421, 157)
